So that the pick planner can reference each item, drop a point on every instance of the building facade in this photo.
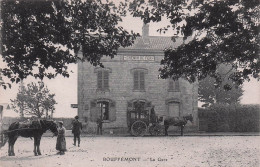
(132, 78)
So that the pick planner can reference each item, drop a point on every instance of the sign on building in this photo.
(74, 105)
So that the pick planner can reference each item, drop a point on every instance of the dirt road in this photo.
(189, 151)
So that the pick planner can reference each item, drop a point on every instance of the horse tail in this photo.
(3, 139)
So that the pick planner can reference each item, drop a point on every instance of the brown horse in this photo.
(33, 129)
(176, 121)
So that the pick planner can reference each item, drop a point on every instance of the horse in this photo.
(34, 129)
(177, 121)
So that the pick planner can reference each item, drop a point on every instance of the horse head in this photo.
(52, 126)
(188, 118)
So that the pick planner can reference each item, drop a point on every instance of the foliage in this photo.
(35, 100)
(210, 92)
(220, 32)
(41, 35)
(231, 118)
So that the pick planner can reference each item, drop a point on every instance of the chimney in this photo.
(145, 34)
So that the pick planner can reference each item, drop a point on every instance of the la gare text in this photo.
(133, 159)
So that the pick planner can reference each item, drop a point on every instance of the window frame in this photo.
(100, 106)
(103, 79)
(173, 86)
(141, 77)
(104, 105)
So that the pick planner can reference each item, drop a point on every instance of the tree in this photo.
(220, 32)
(35, 100)
(41, 35)
(212, 93)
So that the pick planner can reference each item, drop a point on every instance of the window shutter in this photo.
(99, 79)
(106, 79)
(93, 104)
(94, 112)
(148, 104)
(136, 80)
(112, 111)
(142, 84)
(129, 104)
(112, 104)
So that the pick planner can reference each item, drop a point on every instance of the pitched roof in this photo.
(155, 43)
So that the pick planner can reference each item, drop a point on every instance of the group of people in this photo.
(76, 130)
(61, 141)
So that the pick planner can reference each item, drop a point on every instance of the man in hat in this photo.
(153, 115)
(76, 130)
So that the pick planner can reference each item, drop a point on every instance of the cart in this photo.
(141, 121)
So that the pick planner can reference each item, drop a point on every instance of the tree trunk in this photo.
(46, 112)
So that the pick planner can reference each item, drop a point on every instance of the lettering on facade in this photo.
(139, 58)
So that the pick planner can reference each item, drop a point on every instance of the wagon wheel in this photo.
(156, 129)
(138, 128)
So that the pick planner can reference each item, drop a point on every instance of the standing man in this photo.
(153, 115)
(99, 126)
(76, 130)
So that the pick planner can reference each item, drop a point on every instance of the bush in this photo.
(230, 118)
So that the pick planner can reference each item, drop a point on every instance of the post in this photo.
(22, 91)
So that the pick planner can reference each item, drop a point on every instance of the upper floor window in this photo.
(139, 79)
(103, 79)
(174, 86)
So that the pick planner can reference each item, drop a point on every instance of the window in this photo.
(103, 80)
(174, 109)
(174, 86)
(139, 78)
(102, 109)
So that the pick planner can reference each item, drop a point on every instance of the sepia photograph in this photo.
(135, 83)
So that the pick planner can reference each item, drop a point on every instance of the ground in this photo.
(172, 151)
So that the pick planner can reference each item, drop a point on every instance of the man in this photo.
(99, 126)
(76, 130)
(153, 115)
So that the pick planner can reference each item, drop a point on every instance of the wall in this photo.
(121, 90)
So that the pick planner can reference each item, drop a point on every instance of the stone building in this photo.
(132, 78)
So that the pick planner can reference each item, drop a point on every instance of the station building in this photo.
(132, 78)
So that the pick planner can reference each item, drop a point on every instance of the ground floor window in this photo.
(103, 106)
(104, 110)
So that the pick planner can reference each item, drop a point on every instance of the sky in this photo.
(65, 89)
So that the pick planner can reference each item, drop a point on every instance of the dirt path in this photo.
(187, 151)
